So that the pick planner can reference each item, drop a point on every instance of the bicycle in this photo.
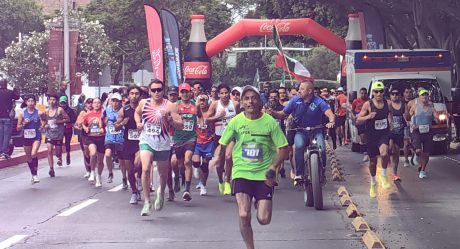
(313, 195)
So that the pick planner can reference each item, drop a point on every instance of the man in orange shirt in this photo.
(341, 116)
(356, 107)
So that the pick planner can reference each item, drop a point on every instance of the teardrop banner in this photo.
(155, 38)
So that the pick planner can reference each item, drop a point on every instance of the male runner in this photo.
(153, 117)
(68, 127)
(341, 116)
(356, 107)
(408, 97)
(258, 139)
(114, 136)
(56, 118)
(376, 114)
(400, 113)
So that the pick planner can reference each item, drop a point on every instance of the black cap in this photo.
(173, 89)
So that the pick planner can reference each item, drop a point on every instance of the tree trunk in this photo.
(116, 78)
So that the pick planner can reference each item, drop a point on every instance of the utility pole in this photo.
(66, 47)
(123, 68)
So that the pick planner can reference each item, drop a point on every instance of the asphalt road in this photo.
(32, 216)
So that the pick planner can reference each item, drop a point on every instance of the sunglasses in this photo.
(156, 90)
(378, 91)
(394, 93)
(236, 94)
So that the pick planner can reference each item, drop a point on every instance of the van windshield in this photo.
(401, 84)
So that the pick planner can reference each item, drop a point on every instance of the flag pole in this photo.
(284, 57)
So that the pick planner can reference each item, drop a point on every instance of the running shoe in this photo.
(59, 162)
(92, 177)
(373, 191)
(133, 199)
(68, 160)
(396, 178)
(385, 182)
(221, 188)
(203, 191)
(365, 158)
(110, 178)
(87, 174)
(406, 163)
(159, 201)
(227, 188)
(199, 185)
(147, 209)
(422, 174)
(298, 181)
(171, 195)
(187, 196)
(98, 181)
(35, 179)
(125, 183)
(51, 173)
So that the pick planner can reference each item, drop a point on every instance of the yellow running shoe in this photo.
(373, 191)
(385, 182)
(227, 188)
(221, 188)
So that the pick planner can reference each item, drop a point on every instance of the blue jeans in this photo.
(301, 140)
(5, 135)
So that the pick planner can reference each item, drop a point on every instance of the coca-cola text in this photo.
(196, 70)
(282, 27)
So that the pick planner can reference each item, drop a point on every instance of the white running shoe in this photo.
(199, 185)
(35, 179)
(98, 181)
(196, 173)
(87, 174)
(92, 177)
(203, 191)
(406, 164)
(365, 158)
(133, 199)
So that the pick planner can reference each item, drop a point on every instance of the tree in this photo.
(26, 63)
(322, 63)
(18, 16)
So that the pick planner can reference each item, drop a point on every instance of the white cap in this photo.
(249, 88)
(237, 88)
(340, 89)
(116, 96)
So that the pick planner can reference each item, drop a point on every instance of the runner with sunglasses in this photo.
(376, 114)
(153, 117)
(400, 113)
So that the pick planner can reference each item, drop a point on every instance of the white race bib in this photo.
(202, 126)
(381, 124)
(30, 133)
(52, 123)
(188, 125)
(252, 152)
(424, 129)
(152, 129)
(133, 134)
(95, 129)
(112, 130)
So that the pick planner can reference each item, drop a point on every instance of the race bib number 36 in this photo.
(381, 124)
(424, 129)
(113, 131)
(152, 129)
(188, 125)
(133, 134)
(29, 133)
(252, 152)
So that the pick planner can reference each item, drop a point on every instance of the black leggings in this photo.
(68, 138)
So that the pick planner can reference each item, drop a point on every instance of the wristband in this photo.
(270, 174)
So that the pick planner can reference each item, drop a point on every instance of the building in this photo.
(49, 6)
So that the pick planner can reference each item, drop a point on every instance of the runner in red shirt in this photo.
(341, 116)
(356, 106)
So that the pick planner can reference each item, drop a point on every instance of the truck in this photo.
(401, 68)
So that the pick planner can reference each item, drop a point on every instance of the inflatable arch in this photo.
(256, 27)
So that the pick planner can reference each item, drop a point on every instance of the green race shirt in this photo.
(256, 145)
(189, 116)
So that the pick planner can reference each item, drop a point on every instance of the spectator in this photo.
(7, 98)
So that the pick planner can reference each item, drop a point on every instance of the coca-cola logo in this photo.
(197, 70)
(282, 27)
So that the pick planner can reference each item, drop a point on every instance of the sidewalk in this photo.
(18, 157)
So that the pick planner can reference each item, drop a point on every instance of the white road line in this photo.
(78, 207)
(12, 240)
(116, 188)
(452, 159)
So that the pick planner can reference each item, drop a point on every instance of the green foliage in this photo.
(18, 16)
(322, 63)
(26, 63)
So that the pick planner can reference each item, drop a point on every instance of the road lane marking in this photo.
(12, 240)
(116, 188)
(452, 159)
(78, 207)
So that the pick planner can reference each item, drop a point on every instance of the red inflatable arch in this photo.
(256, 27)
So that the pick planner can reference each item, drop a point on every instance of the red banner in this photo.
(56, 54)
(197, 70)
(155, 37)
(75, 81)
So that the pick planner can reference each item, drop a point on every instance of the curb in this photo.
(21, 158)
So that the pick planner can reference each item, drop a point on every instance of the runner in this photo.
(205, 143)
(330, 99)
(400, 113)
(376, 114)
(307, 111)
(184, 139)
(258, 139)
(94, 126)
(153, 117)
(173, 94)
(68, 127)
(341, 116)
(54, 129)
(30, 121)
(221, 112)
(82, 136)
(356, 107)
(422, 113)
(113, 137)
(214, 94)
(408, 97)
(197, 89)
(129, 157)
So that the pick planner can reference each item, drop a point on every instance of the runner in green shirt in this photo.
(259, 148)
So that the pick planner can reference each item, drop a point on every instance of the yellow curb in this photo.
(345, 200)
(352, 211)
(360, 224)
(372, 241)
(342, 191)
